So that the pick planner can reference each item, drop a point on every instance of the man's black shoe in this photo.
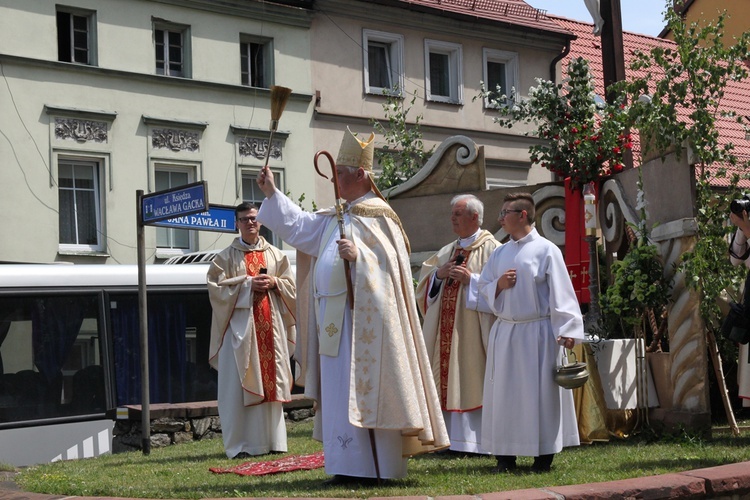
(448, 453)
(242, 454)
(337, 479)
(542, 463)
(341, 480)
(505, 463)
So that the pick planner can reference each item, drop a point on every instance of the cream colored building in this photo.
(101, 98)
(441, 51)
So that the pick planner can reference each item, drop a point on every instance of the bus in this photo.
(70, 352)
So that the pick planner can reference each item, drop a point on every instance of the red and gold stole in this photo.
(263, 327)
(447, 320)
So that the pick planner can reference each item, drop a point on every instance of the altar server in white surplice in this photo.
(528, 287)
(366, 366)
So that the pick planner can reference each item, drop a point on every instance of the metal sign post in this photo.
(143, 322)
(160, 206)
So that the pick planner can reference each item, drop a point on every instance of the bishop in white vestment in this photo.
(365, 365)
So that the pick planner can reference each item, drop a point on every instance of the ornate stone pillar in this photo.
(688, 355)
(690, 407)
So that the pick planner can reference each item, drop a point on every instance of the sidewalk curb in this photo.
(723, 481)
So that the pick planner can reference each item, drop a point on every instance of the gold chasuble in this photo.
(455, 335)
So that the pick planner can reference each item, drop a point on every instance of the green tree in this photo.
(403, 154)
(585, 138)
(638, 287)
(676, 103)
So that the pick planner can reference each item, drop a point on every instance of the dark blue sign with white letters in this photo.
(218, 218)
(172, 203)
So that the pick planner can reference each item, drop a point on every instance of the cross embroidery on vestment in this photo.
(331, 330)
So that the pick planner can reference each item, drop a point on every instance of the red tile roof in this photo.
(512, 12)
(736, 97)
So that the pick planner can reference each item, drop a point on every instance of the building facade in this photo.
(707, 11)
(440, 51)
(102, 98)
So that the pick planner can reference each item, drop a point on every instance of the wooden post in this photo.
(613, 55)
(713, 350)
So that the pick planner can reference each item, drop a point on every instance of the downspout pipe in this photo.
(558, 57)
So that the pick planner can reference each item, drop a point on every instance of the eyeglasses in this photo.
(245, 220)
(503, 213)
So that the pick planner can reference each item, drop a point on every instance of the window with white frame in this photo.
(251, 193)
(383, 56)
(503, 173)
(256, 61)
(172, 44)
(80, 207)
(168, 177)
(76, 35)
(443, 73)
(500, 70)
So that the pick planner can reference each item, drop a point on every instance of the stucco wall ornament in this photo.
(614, 212)
(550, 213)
(80, 130)
(175, 140)
(257, 148)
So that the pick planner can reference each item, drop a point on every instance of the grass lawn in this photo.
(182, 471)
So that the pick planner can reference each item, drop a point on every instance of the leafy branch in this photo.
(403, 154)
(678, 103)
(584, 138)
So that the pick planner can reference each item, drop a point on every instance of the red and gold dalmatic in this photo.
(263, 358)
(456, 337)
(447, 321)
(254, 261)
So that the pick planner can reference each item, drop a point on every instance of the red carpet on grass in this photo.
(286, 464)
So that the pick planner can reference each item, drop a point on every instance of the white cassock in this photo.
(525, 412)
(347, 448)
(743, 374)
(739, 247)
(257, 429)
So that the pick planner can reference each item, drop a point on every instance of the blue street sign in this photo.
(172, 203)
(217, 218)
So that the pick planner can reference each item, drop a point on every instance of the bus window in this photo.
(50, 358)
(179, 332)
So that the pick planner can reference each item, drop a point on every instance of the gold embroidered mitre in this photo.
(359, 154)
(356, 153)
